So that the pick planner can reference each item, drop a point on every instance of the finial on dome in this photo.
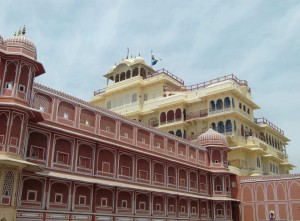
(20, 32)
(24, 30)
(15, 33)
(139, 54)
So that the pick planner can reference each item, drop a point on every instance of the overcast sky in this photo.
(259, 41)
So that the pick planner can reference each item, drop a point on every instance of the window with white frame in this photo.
(106, 167)
(182, 209)
(142, 205)
(171, 208)
(9, 85)
(219, 212)
(157, 145)
(62, 158)
(143, 174)
(107, 129)
(203, 211)
(21, 88)
(193, 184)
(37, 152)
(82, 200)
(124, 204)
(158, 207)
(126, 135)
(84, 162)
(58, 198)
(194, 210)
(182, 182)
(143, 140)
(158, 177)
(87, 123)
(218, 188)
(125, 171)
(202, 186)
(103, 202)
(171, 180)
(31, 195)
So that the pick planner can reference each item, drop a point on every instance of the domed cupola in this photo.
(21, 44)
(139, 59)
(212, 138)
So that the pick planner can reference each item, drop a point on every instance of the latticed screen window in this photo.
(8, 183)
(87, 118)
(42, 103)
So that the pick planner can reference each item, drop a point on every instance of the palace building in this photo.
(160, 99)
(62, 158)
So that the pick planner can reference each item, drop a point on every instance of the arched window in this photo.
(212, 106)
(227, 102)
(128, 74)
(135, 72)
(122, 76)
(143, 72)
(213, 126)
(178, 114)
(221, 127)
(228, 126)
(163, 118)
(171, 132)
(178, 133)
(170, 116)
(219, 104)
(117, 79)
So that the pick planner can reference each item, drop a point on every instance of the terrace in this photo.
(265, 121)
(206, 84)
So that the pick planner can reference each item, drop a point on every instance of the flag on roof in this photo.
(154, 60)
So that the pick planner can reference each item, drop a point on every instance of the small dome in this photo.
(21, 42)
(212, 138)
(139, 60)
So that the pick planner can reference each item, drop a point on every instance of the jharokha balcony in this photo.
(206, 84)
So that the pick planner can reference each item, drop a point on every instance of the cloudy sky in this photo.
(259, 41)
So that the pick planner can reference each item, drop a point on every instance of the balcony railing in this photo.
(206, 84)
(265, 121)
(198, 114)
(100, 91)
(166, 72)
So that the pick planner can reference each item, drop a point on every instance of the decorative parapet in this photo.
(273, 177)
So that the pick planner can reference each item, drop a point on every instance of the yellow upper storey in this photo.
(137, 91)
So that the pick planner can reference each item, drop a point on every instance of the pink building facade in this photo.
(263, 195)
(62, 158)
